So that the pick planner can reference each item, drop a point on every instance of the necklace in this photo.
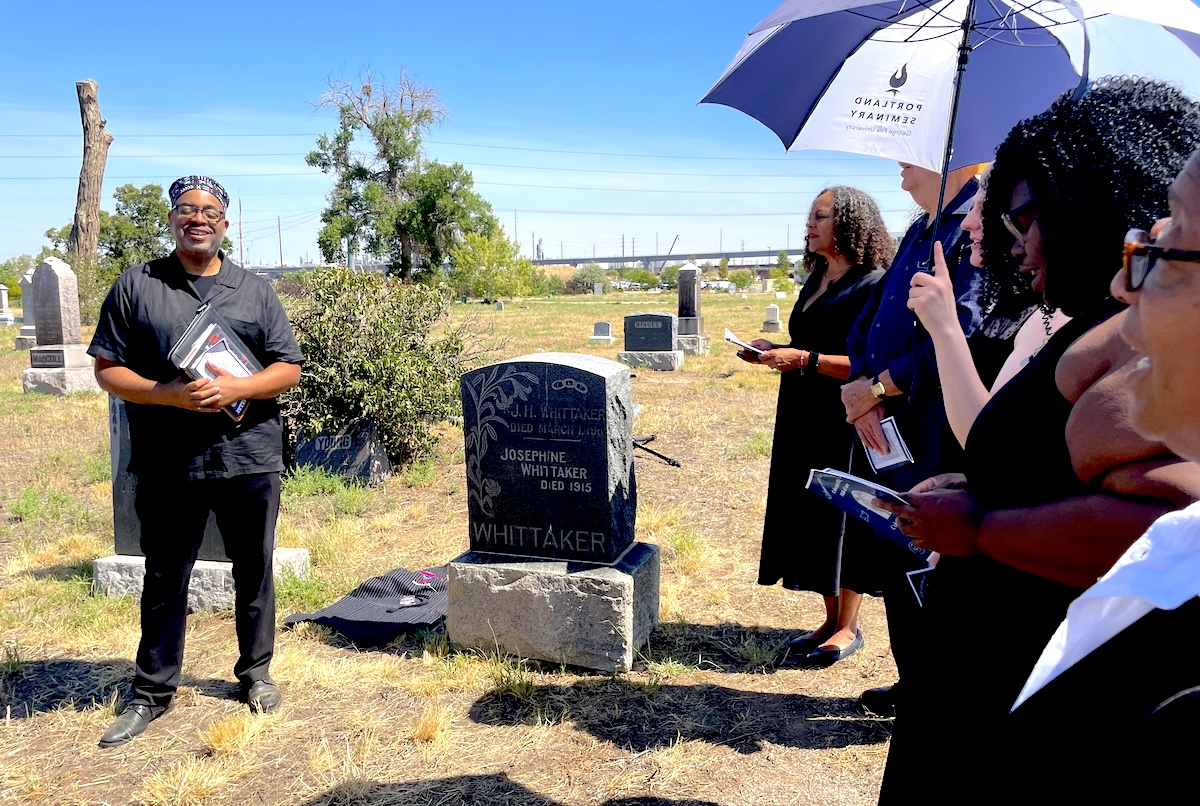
(832, 278)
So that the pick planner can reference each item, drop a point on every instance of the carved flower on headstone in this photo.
(491, 488)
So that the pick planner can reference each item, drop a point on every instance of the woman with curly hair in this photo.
(848, 248)
(1057, 482)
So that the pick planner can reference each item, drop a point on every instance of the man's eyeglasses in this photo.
(1141, 255)
(211, 214)
(1019, 219)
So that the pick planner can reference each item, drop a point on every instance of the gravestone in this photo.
(650, 342)
(553, 572)
(602, 334)
(772, 323)
(123, 573)
(691, 338)
(354, 452)
(6, 314)
(780, 295)
(59, 363)
(28, 334)
(768, 285)
(499, 305)
(598, 289)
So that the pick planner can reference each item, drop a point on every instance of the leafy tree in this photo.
(584, 280)
(646, 278)
(670, 276)
(741, 279)
(782, 262)
(11, 271)
(723, 269)
(379, 349)
(404, 208)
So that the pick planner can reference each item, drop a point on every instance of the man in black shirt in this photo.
(188, 456)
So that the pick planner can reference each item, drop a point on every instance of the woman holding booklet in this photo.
(848, 248)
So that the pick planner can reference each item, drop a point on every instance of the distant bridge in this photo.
(647, 261)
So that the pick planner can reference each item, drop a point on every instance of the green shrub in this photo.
(379, 349)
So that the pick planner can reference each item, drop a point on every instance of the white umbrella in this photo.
(889, 79)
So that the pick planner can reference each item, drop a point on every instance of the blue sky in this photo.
(580, 117)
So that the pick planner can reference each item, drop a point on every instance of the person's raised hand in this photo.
(931, 296)
(784, 358)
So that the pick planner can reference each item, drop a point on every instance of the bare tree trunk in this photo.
(85, 231)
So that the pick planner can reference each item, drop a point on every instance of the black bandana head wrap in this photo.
(186, 183)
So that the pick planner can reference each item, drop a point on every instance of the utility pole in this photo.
(593, 251)
(622, 245)
(789, 238)
(241, 251)
(560, 250)
(633, 247)
(656, 244)
(279, 225)
(722, 240)
(515, 226)
(532, 245)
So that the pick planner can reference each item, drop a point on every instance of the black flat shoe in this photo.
(263, 696)
(825, 657)
(132, 722)
(802, 644)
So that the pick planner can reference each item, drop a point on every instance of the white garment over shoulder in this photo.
(1034, 333)
(1161, 570)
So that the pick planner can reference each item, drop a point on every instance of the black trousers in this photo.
(173, 516)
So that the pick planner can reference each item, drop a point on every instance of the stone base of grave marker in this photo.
(211, 585)
(772, 327)
(602, 340)
(693, 344)
(579, 615)
(661, 360)
(27, 338)
(59, 381)
(690, 326)
(6, 317)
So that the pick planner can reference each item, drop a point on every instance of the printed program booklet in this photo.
(209, 339)
(853, 496)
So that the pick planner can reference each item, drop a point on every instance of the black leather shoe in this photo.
(825, 657)
(799, 647)
(263, 696)
(133, 721)
(879, 701)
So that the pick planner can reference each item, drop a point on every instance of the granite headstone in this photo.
(6, 314)
(549, 458)
(650, 331)
(354, 452)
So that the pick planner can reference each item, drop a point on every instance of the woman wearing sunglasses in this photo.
(1057, 483)
(1117, 644)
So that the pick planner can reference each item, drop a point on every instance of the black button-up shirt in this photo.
(143, 316)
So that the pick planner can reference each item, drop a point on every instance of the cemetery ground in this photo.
(707, 716)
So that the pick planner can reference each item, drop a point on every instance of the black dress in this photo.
(802, 533)
(986, 623)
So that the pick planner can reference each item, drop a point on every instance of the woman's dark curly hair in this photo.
(1096, 166)
(858, 231)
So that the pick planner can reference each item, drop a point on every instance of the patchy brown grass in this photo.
(707, 717)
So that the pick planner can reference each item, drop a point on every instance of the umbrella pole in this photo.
(964, 52)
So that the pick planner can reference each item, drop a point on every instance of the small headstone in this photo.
(650, 331)
(597, 288)
(768, 285)
(28, 335)
(650, 342)
(6, 314)
(772, 324)
(354, 452)
(499, 305)
(602, 333)
(780, 295)
(731, 289)
(549, 456)
(59, 363)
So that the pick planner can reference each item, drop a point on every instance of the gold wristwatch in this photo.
(877, 388)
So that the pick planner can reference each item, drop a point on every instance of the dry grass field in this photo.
(707, 717)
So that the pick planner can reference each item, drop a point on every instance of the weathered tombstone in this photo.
(211, 585)
(6, 314)
(602, 334)
(780, 295)
(28, 335)
(731, 289)
(772, 323)
(691, 338)
(354, 452)
(553, 572)
(597, 288)
(768, 285)
(59, 363)
(499, 305)
(650, 341)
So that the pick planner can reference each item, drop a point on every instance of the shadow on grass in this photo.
(38, 687)
(42, 686)
(640, 716)
(720, 648)
(462, 789)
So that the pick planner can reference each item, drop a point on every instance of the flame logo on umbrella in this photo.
(898, 79)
